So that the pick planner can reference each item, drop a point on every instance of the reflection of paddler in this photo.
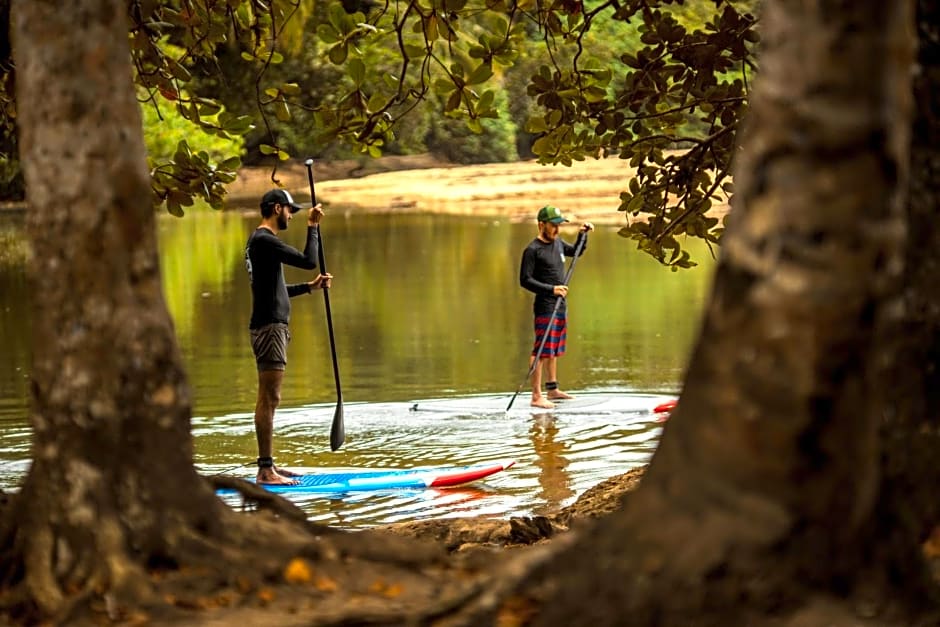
(554, 480)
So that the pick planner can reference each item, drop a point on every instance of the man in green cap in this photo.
(543, 273)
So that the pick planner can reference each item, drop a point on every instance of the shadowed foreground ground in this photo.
(418, 570)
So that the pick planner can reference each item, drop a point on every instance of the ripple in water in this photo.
(558, 455)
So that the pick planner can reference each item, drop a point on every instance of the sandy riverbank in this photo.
(588, 190)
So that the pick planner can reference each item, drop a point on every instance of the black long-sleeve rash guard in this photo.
(542, 268)
(264, 254)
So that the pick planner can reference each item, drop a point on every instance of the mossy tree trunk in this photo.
(112, 487)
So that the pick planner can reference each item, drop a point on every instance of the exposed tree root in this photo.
(264, 499)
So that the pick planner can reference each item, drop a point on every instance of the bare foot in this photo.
(558, 395)
(267, 476)
(284, 472)
(542, 403)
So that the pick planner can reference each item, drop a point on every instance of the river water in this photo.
(424, 307)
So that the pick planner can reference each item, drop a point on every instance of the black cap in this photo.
(280, 197)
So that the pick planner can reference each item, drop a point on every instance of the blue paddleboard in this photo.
(412, 478)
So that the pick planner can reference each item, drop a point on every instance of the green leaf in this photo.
(290, 89)
(357, 71)
(337, 16)
(443, 86)
(481, 74)
(595, 94)
(635, 204)
(282, 111)
(486, 100)
(232, 163)
(174, 208)
(327, 34)
(453, 102)
(338, 53)
(377, 102)
(414, 51)
(542, 146)
(178, 71)
(536, 124)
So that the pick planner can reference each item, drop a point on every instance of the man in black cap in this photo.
(543, 272)
(270, 312)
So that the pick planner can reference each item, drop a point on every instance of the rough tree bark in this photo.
(763, 490)
(909, 505)
(112, 490)
(110, 406)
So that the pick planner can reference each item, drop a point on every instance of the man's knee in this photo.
(269, 387)
(272, 398)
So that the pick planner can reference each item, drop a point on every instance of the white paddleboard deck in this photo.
(583, 403)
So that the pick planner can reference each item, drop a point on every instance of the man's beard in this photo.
(282, 221)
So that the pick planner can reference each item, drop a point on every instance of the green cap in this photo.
(551, 214)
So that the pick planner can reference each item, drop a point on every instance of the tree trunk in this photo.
(909, 505)
(112, 486)
(765, 482)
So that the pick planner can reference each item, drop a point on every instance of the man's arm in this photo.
(306, 260)
(570, 248)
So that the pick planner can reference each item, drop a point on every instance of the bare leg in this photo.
(269, 397)
(537, 399)
(555, 393)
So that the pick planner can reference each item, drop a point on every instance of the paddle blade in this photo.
(511, 401)
(337, 429)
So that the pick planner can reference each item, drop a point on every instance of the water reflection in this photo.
(424, 307)
(554, 480)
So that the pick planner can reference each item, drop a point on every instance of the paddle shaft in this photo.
(337, 428)
(579, 246)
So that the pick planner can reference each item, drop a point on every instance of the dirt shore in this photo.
(588, 190)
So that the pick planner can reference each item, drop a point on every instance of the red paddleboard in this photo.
(666, 407)
(473, 473)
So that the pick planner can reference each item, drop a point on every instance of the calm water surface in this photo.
(423, 307)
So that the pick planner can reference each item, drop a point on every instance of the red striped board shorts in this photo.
(555, 343)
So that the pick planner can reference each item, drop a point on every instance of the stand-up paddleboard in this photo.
(665, 407)
(583, 403)
(355, 480)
